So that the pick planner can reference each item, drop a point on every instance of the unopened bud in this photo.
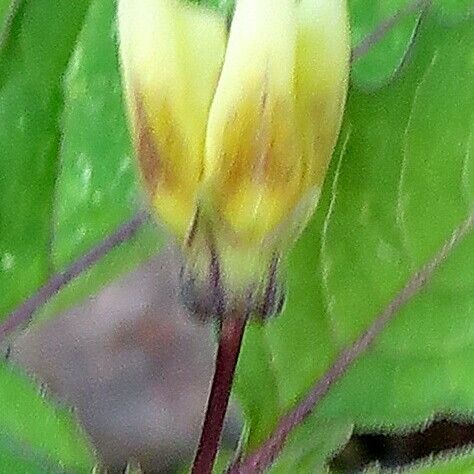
(234, 131)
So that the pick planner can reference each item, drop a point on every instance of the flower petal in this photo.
(252, 166)
(172, 55)
(322, 70)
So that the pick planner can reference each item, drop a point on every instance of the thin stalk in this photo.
(263, 457)
(23, 313)
(230, 340)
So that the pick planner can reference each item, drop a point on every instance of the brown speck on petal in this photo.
(147, 153)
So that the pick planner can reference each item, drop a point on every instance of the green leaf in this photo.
(22, 460)
(405, 181)
(97, 187)
(454, 11)
(30, 421)
(262, 407)
(311, 445)
(33, 57)
(376, 67)
(382, 61)
(401, 180)
(74, 114)
(454, 463)
(5, 9)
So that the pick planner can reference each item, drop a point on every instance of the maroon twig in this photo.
(264, 456)
(230, 339)
(384, 27)
(23, 314)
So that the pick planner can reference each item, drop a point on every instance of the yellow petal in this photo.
(171, 56)
(322, 69)
(252, 163)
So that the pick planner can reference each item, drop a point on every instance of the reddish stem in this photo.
(230, 339)
(263, 457)
(23, 313)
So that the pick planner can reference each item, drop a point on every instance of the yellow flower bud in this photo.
(234, 129)
(172, 54)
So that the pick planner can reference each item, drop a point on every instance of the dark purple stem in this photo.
(384, 27)
(264, 456)
(23, 314)
(230, 340)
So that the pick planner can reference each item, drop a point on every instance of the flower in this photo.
(234, 130)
